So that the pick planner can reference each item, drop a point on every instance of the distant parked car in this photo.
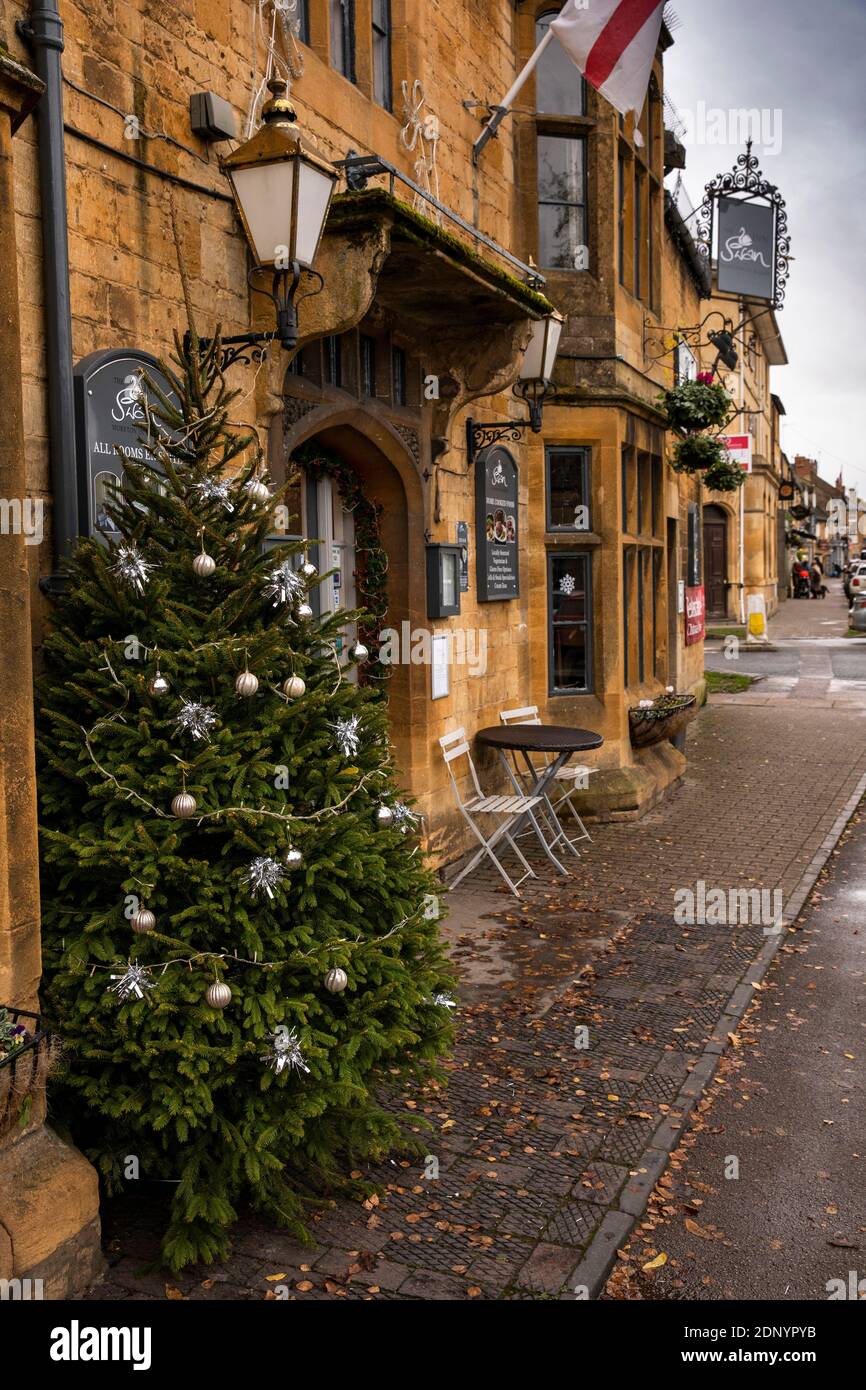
(855, 580)
(857, 613)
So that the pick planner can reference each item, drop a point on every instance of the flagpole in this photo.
(499, 112)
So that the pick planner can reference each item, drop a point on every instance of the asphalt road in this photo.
(812, 655)
(789, 1106)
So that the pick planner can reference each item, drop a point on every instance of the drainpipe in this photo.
(43, 32)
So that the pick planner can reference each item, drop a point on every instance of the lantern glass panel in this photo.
(265, 193)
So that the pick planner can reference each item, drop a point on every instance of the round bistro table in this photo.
(525, 739)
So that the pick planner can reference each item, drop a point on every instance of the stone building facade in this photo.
(406, 284)
(743, 556)
(426, 311)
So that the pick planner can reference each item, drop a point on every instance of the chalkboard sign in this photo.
(497, 536)
(109, 415)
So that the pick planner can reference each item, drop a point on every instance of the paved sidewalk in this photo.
(810, 659)
(789, 1107)
(810, 617)
(546, 1150)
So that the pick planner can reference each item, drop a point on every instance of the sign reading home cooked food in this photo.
(110, 425)
(496, 489)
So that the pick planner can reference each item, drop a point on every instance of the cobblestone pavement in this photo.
(547, 1150)
(765, 1197)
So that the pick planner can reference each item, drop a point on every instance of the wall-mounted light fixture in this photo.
(533, 385)
(282, 190)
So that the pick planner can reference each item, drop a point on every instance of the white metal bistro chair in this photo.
(565, 780)
(507, 809)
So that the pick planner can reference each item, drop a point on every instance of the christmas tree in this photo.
(241, 946)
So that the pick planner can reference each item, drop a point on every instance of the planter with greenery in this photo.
(724, 475)
(696, 405)
(663, 718)
(696, 452)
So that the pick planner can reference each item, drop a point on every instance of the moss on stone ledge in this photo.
(350, 209)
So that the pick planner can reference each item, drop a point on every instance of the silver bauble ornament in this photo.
(219, 996)
(384, 817)
(336, 980)
(142, 921)
(246, 684)
(304, 611)
(184, 805)
(294, 687)
(308, 570)
(159, 685)
(257, 490)
(204, 565)
(358, 652)
(293, 859)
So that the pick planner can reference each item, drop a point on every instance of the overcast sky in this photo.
(801, 62)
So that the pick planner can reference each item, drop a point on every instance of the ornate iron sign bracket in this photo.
(480, 437)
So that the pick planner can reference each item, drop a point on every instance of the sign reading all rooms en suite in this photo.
(496, 521)
(110, 426)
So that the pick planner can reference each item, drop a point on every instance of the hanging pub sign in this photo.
(496, 521)
(110, 426)
(743, 223)
(747, 236)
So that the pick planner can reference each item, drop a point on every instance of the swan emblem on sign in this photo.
(739, 248)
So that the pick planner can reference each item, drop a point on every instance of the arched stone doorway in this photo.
(388, 477)
(716, 561)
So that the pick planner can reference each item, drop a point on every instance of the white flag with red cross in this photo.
(613, 43)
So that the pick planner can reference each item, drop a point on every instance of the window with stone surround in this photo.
(562, 227)
(559, 88)
(368, 365)
(303, 15)
(642, 565)
(343, 37)
(381, 14)
(569, 622)
(640, 193)
(566, 479)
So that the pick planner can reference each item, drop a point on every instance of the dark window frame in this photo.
(332, 351)
(621, 164)
(580, 136)
(551, 451)
(367, 356)
(303, 32)
(551, 14)
(381, 44)
(347, 27)
(583, 557)
(398, 375)
(637, 276)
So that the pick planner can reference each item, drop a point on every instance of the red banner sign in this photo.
(695, 616)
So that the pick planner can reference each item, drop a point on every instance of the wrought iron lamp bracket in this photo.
(253, 347)
(483, 436)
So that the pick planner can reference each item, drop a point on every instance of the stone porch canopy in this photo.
(472, 316)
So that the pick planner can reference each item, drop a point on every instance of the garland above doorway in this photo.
(371, 582)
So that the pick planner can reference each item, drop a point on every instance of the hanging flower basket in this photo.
(27, 1052)
(652, 721)
(696, 452)
(696, 405)
(724, 476)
